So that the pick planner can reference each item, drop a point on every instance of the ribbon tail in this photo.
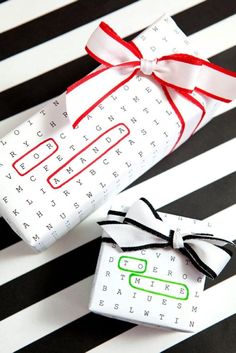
(87, 93)
(217, 82)
(197, 262)
(210, 238)
(208, 258)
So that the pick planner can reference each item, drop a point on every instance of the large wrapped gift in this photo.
(146, 98)
(152, 267)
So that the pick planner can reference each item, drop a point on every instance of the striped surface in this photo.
(43, 298)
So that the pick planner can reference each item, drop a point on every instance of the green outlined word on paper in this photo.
(132, 264)
(159, 286)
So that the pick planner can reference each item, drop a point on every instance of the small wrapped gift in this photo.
(152, 267)
(145, 99)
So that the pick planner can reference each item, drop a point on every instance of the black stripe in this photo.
(43, 87)
(219, 338)
(228, 251)
(218, 131)
(229, 270)
(49, 278)
(226, 60)
(92, 330)
(66, 19)
(204, 14)
(54, 82)
(81, 262)
(55, 23)
(8, 236)
(79, 336)
(206, 201)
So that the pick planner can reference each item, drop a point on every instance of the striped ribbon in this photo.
(143, 228)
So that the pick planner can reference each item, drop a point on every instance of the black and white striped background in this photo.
(43, 298)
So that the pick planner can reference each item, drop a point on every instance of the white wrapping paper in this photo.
(154, 287)
(52, 176)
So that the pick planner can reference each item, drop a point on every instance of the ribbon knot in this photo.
(178, 241)
(143, 228)
(147, 67)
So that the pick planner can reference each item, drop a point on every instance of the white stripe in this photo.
(18, 259)
(193, 174)
(142, 339)
(215, 38)
(17, 12)
(71, 303)
(186, 177)
(70, 46)
(44, 317)
(225, 218)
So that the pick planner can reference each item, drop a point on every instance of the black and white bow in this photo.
(143, 228)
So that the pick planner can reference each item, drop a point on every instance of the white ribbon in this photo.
(142, 228)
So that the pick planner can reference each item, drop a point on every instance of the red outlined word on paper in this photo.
(37, 155)
(88, 155)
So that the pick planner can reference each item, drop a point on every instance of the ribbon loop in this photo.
(144, 229)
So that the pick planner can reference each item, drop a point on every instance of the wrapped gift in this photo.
(152, 267)
(145, 99)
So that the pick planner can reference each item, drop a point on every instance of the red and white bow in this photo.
(121, 61)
